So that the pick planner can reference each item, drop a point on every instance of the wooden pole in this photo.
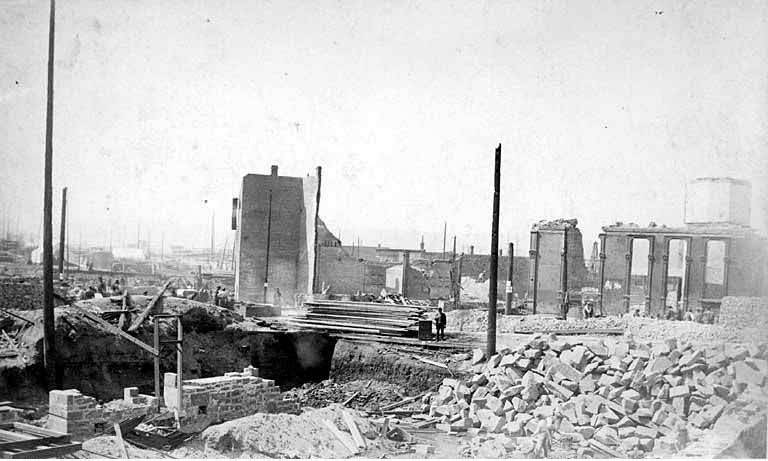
(494, 272)
(458, 283)
(62, 230)
(445, 230)
(50, 359)
(269, 236)
(317, 217)
(564, 275)
(508, 305)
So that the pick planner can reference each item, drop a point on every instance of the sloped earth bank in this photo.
(101, 364)
(376, 361)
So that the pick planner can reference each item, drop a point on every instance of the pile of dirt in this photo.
(290, 436)
(621, 398)
(476, 321)
(366, 395)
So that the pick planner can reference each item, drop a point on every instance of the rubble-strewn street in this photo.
(383, 230)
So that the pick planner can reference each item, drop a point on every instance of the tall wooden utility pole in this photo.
(269, 237)
(50, 359)
(492, 289)
(564, 275)
(317, 217)
(445, 230)
(213, 236)
(508, 306)
(62, 231)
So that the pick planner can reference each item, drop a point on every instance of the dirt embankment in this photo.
(366, 361)
(100, 363)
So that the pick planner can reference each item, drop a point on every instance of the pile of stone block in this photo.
(223, 398)
(623, 396)
(741, 312)
(82, 416)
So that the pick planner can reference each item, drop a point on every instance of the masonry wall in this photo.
(292, 230)
(548, 260)
(478, 267)
(747, 264)
(224, 398)
(347, 275)
(82, 416)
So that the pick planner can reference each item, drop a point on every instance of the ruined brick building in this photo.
(715, 254)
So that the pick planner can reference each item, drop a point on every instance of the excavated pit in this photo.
(101, 364)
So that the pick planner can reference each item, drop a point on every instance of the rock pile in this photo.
(745, 316)
(536, 323)
(621, 398)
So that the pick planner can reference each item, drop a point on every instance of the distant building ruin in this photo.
(715, 254)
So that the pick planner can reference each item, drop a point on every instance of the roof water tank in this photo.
(718, 201)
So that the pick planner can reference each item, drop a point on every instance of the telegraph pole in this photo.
(269, 236)
(50, 359)
(492, 289)
(62, 232)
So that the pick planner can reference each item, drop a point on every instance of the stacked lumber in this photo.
(624, 399)
(360, 317)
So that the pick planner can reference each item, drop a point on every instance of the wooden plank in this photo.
(112, 329)
(148, 310)
(13, 436)
(354, 430)
(120, 442)
(339, 435)
(606, 449)
(36, 430)
(580, 331)
(34, 442)
(48, 452)
(401, 403)
(346, 402)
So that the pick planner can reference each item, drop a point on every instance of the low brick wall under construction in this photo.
(82, 416)
(223, 398)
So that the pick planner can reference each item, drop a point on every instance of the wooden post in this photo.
(62, 230)
(156, 345)
(50, 358)
(494, 272)
(179, 359)
(269, 236)
(458, 283)
(601, 290)
(508, 306)
(317, 218)
(404, 283)
(564, 275)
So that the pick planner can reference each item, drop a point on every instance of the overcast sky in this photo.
(605, 109)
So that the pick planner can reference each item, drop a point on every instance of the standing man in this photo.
(216, 295)
(440, 322)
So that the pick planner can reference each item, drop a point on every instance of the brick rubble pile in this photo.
(624, 397)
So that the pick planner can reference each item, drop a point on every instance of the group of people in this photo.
(221, 298)
(101, 290)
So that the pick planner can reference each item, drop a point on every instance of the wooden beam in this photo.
(113, 329)
(145, 313)
(120, 442)
(48, 452)
(339, 435)
(354, 430)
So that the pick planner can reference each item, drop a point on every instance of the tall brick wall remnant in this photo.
(291, 230)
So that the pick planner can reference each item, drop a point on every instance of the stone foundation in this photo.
(223, 398)
(82, 416)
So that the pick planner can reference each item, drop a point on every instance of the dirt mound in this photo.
(476, 321)
(288, 436)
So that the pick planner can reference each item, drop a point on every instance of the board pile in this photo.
(360, 317)
(620, 399)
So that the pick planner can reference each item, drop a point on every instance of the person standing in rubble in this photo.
(589, 310)
(216, 295)
(440, 321)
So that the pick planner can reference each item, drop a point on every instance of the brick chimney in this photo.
(274, 170)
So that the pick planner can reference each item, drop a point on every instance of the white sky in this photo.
(605, 109)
